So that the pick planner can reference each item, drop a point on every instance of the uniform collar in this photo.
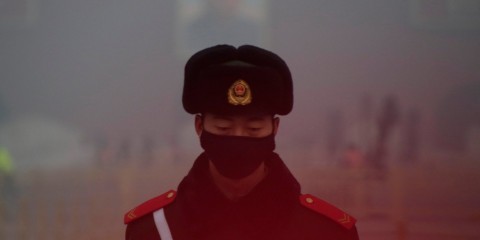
(267, 206)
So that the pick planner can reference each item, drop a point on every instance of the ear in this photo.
(198, 124)
(276, 123)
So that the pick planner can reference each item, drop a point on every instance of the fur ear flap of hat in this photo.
(210, 72)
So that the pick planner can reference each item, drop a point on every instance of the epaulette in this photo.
(328, 210)
(150, 206)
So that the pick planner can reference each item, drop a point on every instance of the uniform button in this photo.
(309, 200)
(170, 195)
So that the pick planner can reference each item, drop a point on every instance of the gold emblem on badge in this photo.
(239, 93)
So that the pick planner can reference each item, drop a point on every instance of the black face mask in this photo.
(236, 157)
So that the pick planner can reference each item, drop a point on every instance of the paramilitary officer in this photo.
(238, 188)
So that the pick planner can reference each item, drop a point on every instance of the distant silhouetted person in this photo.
(411, 137)
(148, 148)
(334, 133)
(387, 120)
(124, 150)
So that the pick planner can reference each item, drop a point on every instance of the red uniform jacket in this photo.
(275, 209)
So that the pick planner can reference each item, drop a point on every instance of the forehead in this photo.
(239, 117)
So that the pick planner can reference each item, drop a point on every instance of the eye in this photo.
(221, 128)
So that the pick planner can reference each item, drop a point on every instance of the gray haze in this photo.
(114, 66)
(88, 81)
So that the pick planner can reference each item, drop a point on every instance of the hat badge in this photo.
(239, 93)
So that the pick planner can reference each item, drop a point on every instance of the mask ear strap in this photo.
(202, 118)
(273, 124)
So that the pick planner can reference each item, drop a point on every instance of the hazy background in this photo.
(91, 90)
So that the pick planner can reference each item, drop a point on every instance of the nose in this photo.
(240, 132)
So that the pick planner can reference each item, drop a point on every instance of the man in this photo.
(238, 188)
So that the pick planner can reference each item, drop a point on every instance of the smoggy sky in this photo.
(118, 65)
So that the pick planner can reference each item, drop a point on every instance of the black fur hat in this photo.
(224, 79)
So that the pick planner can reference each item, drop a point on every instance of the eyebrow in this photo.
(222, 118)
(256, 119)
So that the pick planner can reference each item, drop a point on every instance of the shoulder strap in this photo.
(150, 206)
(327, 209)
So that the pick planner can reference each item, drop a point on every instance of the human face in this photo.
(247, 125)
